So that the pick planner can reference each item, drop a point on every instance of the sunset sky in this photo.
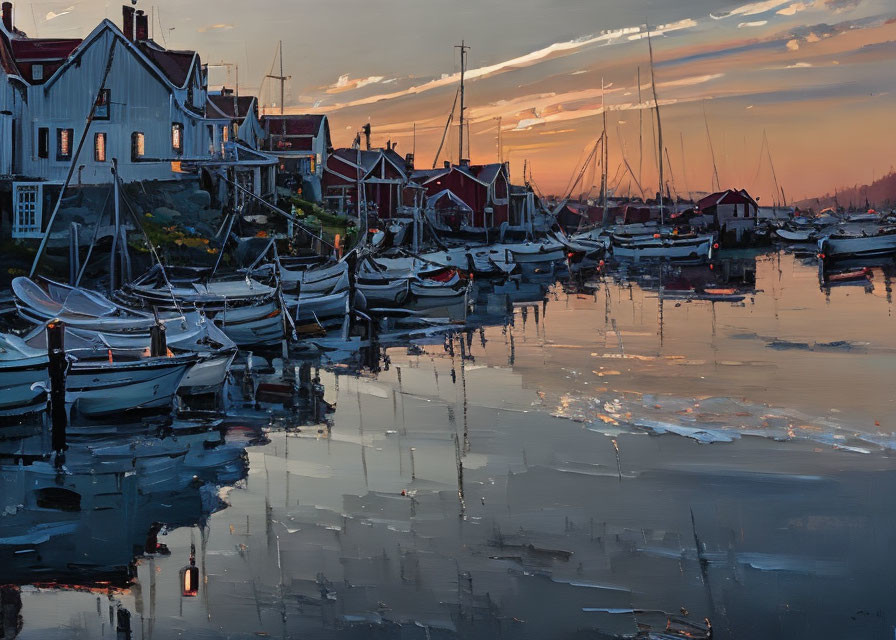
(815, 78)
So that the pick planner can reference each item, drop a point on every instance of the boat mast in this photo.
(463, 68)
(659, 126)
(605, 159)
(281, 78)
(640, 134)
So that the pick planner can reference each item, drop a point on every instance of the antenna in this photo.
(463, 68)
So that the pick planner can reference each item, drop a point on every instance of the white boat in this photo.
(311, 308)
(794, 236)
(23, 376)
(382, 290)
(313, 279)
(102, 388)
(246, 310)
(838, 246)
(529, 253)
(75, 308)
(696, 248)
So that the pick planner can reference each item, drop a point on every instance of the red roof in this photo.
(294, 132)
(175, 65)
(230, 106)
(42, 50)
(298, 125)
(729, 196)
(7, 62)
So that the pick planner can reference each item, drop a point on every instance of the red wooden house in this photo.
(382, 172)
(484, 189)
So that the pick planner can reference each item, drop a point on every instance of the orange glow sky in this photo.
(816, 77)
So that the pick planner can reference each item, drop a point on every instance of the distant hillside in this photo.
(881, 194)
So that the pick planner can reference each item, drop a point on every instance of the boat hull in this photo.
(101, 389)
(699, 250)
(859, 246)
(16, 382)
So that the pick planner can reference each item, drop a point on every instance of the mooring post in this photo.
(57, 369)
(158, 341)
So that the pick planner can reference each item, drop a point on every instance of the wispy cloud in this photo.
(215, 27)
(347, 83)
(52, 15)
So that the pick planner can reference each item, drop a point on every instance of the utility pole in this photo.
(282, 78)
(463, 68)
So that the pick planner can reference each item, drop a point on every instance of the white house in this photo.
(149, 115)
(302, 145)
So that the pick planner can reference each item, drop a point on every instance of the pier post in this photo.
(158, 341)
(58, 366)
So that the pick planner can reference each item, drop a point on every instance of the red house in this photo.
(382, 172)
(484, 189)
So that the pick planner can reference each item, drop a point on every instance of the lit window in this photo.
(313, 164)
(64, 143)
(177, 137)
(138, 145)
(225, 134)
(99, 147)
(37, 72)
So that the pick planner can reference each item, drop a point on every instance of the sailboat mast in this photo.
(640, 132)
(605, 159)
(282, 79)
(463, 68)
(659, 126)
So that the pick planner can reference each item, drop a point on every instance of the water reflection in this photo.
(542, 471)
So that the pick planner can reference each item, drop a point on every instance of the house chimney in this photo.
(366, 130)
(127, 26)
(465, 162)
(7, 16)
(409, 162)
(141, 31)
(447, 164)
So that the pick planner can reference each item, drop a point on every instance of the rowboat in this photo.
(697, 248)
(838, 246)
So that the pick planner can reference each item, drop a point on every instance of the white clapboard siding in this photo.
(141, 100)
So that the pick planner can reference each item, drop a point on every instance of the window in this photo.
(99, 147)
(101, 112)
(225, 134)
(27, 211)
(138, 146)
(37, 72)
(64, 143)
(177, 137)
(43, 142)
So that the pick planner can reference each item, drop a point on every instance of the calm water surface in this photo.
(606, 454)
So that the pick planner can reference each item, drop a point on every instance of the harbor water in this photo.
(585, 458)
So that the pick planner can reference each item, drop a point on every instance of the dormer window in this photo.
(37, 72)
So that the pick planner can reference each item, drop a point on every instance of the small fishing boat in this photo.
(23, 376)
(246, 310)
(214, 350)
(841, 245)
(97, 388)
(685, 248)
